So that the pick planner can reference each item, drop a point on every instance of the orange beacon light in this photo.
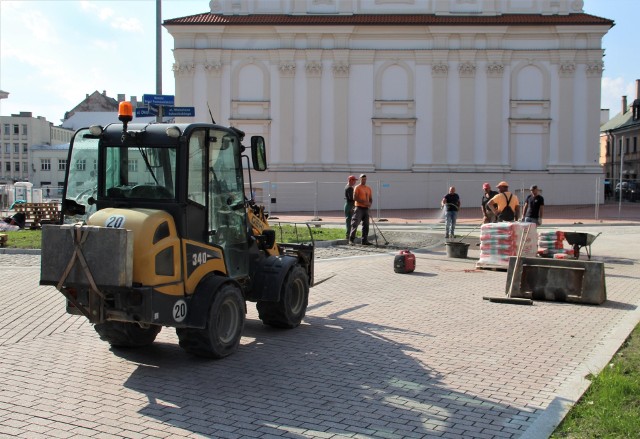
(125, 113)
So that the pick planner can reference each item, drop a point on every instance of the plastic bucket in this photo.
(457, 249)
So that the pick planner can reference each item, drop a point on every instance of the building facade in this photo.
(48, 166)
(409, 92)
(34, 150)
(19, 133)
(619, 153)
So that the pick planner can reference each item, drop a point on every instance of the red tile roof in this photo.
(389, 19)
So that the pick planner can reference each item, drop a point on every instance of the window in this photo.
(16, 148)
(95, 165)
(608, 148)
(635, 144)
(7, 129)
(16, 166)
(62, 164)
(25, 168)
(133, 165)
(197, 168)
(24, 130)
(45, 164)
(626, 146)
(25, 147)
(16, 129)
(7, 148)
(81, 165)
(8, 166)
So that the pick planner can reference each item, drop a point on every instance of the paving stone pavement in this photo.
(379, 355)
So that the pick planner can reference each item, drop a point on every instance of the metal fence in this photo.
(314, 198)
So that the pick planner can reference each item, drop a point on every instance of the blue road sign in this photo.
(146, 112)
(179, 111)
(158, 99)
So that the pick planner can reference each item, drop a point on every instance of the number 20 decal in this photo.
(114, 221)
(179, 310)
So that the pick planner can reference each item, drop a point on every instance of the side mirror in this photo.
(71, 208)
(258, 153)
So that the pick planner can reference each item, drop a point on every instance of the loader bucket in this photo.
(561, 280)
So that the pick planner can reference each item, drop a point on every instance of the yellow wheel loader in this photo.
(157, 231)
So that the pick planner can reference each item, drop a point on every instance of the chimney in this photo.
(624, 104)
(104, 92)
(637, 88)
(120, 97)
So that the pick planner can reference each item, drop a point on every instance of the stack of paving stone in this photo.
(500, 241)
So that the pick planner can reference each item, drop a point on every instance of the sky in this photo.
(53, 53)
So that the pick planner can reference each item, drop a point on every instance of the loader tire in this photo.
(127, 335)
(289, 311)
(225, 322)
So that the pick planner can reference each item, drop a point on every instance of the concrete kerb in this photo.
(20, 251)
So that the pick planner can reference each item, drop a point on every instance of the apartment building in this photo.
(619, 152)
(34, 150)
(48, 167)
(19, 132)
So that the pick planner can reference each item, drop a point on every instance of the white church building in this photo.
(417, 94)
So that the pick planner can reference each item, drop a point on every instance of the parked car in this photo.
(608, 191)
(629, 191)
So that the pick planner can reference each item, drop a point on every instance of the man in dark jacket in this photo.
(487, 215)
(348, 202)
(451, 204)
(533, 207)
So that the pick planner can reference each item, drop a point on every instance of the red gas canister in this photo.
(404, 262)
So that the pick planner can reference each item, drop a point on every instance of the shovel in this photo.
(472, 230)
(516, 268)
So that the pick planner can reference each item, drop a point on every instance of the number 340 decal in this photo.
(199, 258)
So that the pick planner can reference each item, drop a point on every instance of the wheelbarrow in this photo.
(579, 240)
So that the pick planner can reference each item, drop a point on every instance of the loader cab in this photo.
(192, 171)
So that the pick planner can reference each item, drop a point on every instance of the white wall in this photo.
(420, 103)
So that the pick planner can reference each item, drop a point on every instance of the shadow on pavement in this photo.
(331, 375)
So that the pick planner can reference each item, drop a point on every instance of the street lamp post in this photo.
(159, 55)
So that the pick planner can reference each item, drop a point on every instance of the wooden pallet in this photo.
(492, 267)
(38, 213)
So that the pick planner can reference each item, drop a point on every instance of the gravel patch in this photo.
(396, 241)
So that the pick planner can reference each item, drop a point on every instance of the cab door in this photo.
(227, 212)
